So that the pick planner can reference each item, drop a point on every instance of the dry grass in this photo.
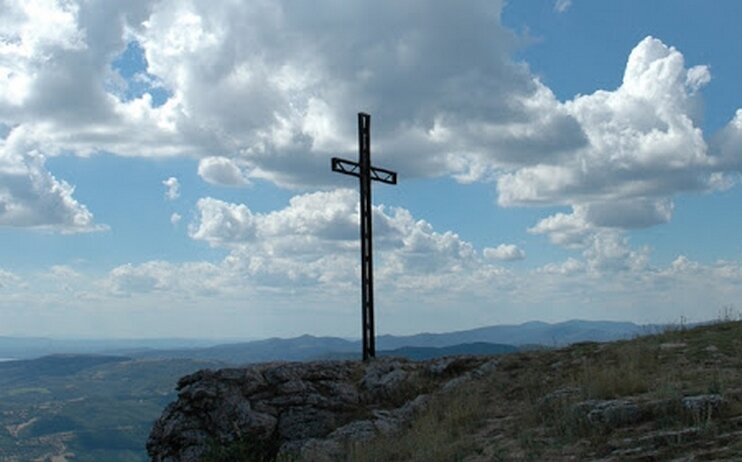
(528, 409)
(439, 434)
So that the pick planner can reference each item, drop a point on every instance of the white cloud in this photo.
(184, 280)
(644, 147)
(63, 278)
(29, 31)
(8, 279)
(277, 108)
(172, 186)
(683, 265)
(727, 144)
(221, 171)
(569, 230)
(175, 218)
(560, 6)
(314, 240)
(567, 267)
(605, 249)
(30, 196)
(221, 223)
(249, 285)
(269, 90)
(504, 252)
(329, 216)
(250, 105)
(609, 252)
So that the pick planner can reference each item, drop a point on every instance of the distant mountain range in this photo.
(34, 347)
(530, 333)
(484, 340)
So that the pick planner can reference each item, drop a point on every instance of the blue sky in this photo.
(164, 165)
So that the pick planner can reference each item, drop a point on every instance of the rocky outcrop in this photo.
(309, 411)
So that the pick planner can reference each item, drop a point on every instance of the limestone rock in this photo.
(703, 407)
(610, 413)
(308, 411)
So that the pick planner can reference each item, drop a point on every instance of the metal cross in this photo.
(365, 172)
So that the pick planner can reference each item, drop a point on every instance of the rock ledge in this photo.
(309, 411)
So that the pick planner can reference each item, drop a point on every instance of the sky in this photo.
(165, 164)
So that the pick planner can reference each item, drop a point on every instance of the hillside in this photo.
(35, 347)
(529, 333)
(505, 337)
(83, 408)
(673, 395)
(101, 407)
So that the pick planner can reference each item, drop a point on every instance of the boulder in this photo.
(306, 411)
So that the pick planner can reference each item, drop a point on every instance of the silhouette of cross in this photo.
(366, 173)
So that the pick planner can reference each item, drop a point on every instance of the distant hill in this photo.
(34, 347)
(530, 333)
(294, 349)
(492, 340)
(51, 366)
(309, 347)
(423, 353)
(100, 408)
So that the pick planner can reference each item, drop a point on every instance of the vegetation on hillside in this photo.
(676, 393)
(657, 397)
(84, 408)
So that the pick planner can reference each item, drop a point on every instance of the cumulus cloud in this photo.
(175, 218)
(314, 240)
(221, 171)
(222, 223)
(610, 252)
(172, 186)
(180, 280)
(569, 266)
(8, 279)
(644, 146)
(30, 196)
(64, 278)
(30, 30)
(238, 297)
(270, 90)
(566, 229)
(604, 249)
(504, 252)
(276, 101)
(727, 144)
(330, 216)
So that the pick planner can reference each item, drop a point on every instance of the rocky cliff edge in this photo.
(299, 411)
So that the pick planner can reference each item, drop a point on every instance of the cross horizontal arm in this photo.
(383, 175)
(349, 167)
(346, 166)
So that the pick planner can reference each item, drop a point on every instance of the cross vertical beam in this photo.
(367, 260)
(365, 173)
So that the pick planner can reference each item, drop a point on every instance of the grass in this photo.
(627, 370)
(533, 406)
(439, 434)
